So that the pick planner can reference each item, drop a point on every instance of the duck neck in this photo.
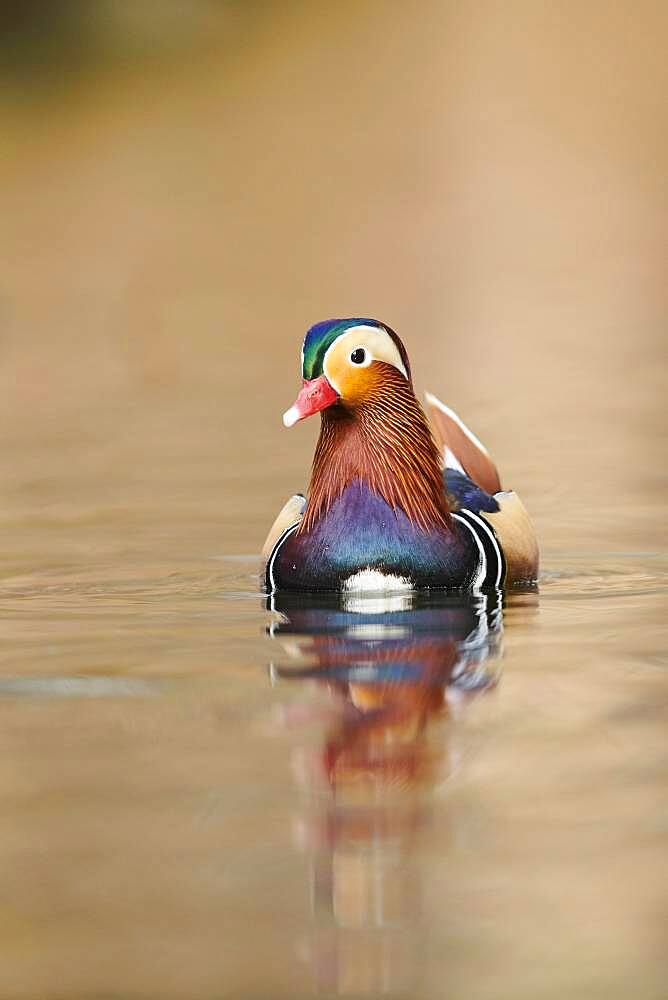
(386, 443)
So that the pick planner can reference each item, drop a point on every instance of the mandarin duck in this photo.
(394, 503)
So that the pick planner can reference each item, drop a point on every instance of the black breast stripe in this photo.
(269, 574)
(496, 564)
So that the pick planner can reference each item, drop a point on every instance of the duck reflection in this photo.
(394, 671)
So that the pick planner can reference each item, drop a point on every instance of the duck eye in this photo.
(358, 357)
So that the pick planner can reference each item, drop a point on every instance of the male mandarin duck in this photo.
(389, 508)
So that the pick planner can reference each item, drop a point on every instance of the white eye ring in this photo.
(365, 360)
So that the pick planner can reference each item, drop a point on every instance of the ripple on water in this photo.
(603, 575)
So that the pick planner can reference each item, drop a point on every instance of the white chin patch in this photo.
(373, 592)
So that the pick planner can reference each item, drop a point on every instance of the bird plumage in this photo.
(385, 441)
(384, 496)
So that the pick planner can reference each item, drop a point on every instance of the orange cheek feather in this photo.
(354, 384)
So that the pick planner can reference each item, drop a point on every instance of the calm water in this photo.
(203, 798)
(419, 798)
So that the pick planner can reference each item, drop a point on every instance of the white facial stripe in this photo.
(376, 342)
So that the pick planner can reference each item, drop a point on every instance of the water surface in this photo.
(203, 797)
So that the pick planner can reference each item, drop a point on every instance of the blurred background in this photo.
(185, 187)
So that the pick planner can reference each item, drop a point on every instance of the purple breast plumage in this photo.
(362, 532)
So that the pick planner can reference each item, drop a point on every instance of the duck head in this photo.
(373, 430)
(345, 362)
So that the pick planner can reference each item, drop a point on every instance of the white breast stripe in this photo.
(272, 557)
(482, 565)
(486, 528)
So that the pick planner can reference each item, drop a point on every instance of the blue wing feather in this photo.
(466, 493)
